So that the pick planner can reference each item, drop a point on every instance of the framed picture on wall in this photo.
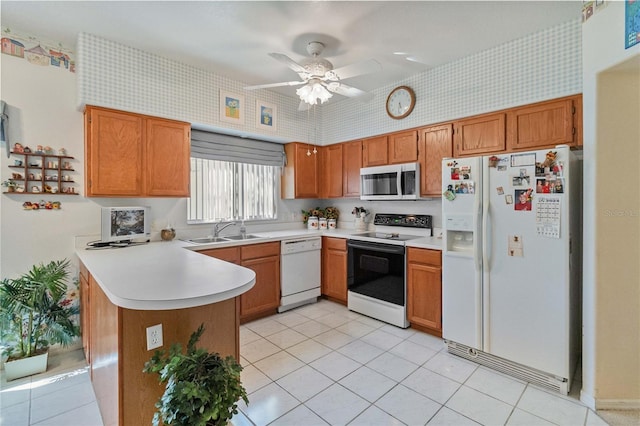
(266, 116)
(232, 107)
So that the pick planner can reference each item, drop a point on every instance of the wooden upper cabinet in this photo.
(403, 147)
(480, 135)
(300, 178)
(544, 124)
(375, 151)
(113, 153)
(167, 149)
(331, 171)
(436, 143)
(351, 164)
(133, 155)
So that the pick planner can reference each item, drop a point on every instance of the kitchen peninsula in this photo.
(126, 290)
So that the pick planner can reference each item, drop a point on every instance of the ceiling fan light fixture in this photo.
(313, 92)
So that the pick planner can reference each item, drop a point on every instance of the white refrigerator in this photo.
(511, 272)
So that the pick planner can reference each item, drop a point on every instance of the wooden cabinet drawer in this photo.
(334, 243)
(228, 254)
(255, 251)
(426, 256)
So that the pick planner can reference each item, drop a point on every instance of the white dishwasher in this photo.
(299, 272)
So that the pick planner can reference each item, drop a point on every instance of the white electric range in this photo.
(376, 266)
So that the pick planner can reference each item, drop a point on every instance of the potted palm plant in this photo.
(202, 388)
(35, 313)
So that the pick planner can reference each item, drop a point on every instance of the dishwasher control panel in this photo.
(300, 244)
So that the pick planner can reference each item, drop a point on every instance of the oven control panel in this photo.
(406, 220)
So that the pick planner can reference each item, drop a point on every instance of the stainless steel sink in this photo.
(241, 237)
(208, 240)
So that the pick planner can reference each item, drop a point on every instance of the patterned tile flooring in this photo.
(323, 364)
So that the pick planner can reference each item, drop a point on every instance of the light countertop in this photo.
(163, 275)
(173, 275)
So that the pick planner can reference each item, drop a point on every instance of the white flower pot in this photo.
(26, 366)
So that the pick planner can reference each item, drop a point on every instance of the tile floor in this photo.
(322, 364)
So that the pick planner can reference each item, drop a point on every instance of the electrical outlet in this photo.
(154, 336)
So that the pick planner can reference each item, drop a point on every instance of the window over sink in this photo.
(226, 190)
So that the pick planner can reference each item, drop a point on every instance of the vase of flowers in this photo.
(360, 213)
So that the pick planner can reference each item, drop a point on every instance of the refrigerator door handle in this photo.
(486, 258)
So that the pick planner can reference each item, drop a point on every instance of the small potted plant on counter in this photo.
(36, 312)
(202, 388)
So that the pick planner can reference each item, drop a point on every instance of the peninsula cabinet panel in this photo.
(300, 177)
(375, 151)
(113, 153)
(544, 124)
(331, 170)
(133, 155)
(403, 147)
(352, 163)
(436, 143)
(424, 290)
(168, 158)
(85, 324)
(126, 395)
(480, 135)
(334, 269)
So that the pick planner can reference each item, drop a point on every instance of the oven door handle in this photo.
(392, 250)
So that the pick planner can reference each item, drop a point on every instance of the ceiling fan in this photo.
(319, 78)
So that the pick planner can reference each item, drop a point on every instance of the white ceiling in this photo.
(232, 38)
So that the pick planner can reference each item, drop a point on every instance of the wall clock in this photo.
(400, 102)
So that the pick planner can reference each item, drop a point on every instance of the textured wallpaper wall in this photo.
(544, 65)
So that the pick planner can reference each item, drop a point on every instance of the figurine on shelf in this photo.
(48, 150)
(27, 150)
(39, 149)
(18, 148)
(10, 184)
(62, 152)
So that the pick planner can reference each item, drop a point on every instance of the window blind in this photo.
(216, 146)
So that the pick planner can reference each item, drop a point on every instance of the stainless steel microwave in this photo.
(392, 182)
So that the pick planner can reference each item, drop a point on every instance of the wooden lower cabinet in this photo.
(424, 290)
(117, 344)
(263, 259)
(334, 269)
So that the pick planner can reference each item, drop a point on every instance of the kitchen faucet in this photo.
(217, 228)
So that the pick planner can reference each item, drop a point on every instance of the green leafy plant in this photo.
(35, 311)
(202, 388)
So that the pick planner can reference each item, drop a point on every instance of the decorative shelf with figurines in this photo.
(42, 171)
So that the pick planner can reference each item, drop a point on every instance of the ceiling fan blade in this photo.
(288, 62)
(359, 68)
(266, 86)
(350, 92)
